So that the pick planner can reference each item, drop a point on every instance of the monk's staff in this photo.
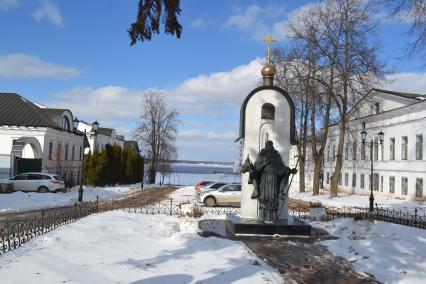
(288, 187)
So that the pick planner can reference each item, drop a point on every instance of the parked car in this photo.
(40, 182)
(210, 186)
(200, 184)
(228, 194)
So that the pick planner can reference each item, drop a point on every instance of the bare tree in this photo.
(415, 12)
(349, 29)
(157, 132)
(292, 78)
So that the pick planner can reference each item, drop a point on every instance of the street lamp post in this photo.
(80, 190)
(364, 137)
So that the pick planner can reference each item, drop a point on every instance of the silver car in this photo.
(40, 182)
(228, 194)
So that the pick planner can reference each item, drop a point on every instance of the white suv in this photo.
(227, 195)
(40, 182)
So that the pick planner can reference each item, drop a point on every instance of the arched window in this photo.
(65, 123)
(268, 111)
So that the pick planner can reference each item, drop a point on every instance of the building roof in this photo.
(105, 131)
(15, 110)
(132, 145)
(418, 97)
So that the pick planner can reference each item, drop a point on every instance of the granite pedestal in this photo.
(237, 226)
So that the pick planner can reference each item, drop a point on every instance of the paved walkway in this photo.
(305, 260)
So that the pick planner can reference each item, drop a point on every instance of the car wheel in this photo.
(210, 201)
(43, 189)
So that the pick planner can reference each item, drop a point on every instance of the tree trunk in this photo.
(301, 175)
(317, 173)
(339, 159)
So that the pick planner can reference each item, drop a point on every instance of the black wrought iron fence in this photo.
(19, 231)
(301, 210)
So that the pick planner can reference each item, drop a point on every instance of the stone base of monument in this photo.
(237, 226)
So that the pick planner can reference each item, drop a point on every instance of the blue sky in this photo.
(76, 55)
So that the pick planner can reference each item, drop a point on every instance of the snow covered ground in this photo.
(344, 199)
(119, 247)
(184, 195)
(392, 253)
(23, 201)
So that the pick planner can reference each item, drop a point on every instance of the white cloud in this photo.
(211, 104)
(17, 65)
(198, 23)
(50, 11)
(409, 82)
(8, 4)
(257, 21)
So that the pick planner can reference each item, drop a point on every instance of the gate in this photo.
(27, 165)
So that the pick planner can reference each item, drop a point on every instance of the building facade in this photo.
(399, 159)
(99, 137)
(36, 138)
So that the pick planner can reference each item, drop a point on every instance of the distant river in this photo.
(200, 169)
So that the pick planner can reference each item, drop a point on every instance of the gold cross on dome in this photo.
(269, 40)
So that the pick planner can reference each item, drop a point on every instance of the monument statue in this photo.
(269, 176)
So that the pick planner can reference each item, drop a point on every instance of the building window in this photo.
(328, 178)
(354, 151)
(363, 150)
(58, 152)
(334, 153)
(340, 179)
(73, 153)
(404, 147)
(392, 149)
(50, 150)
(268, 111)
(328, 153)
(382, 151)
(353, 180)
(391, 184)
(419, 147)
(404, 186)
(363, 125)
(346, 179)
(347, 151)
(81, 153)
(65, 123)
(362, 181)
(376, 149)
(376, 182)
(376, 108)
(66, 152)
(381, 183)
(419, 187)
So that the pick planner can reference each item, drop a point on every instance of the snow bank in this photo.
(23, 201)
(119, 247)
(392, 253)
(345, 199)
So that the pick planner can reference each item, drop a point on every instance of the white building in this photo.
(399, 162)
(36, 138)
(99, 137)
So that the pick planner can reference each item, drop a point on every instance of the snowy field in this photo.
(119, 247)
(392, 253)
(344, 199)
(23, 201)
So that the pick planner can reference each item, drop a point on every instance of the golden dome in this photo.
(268, 70)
